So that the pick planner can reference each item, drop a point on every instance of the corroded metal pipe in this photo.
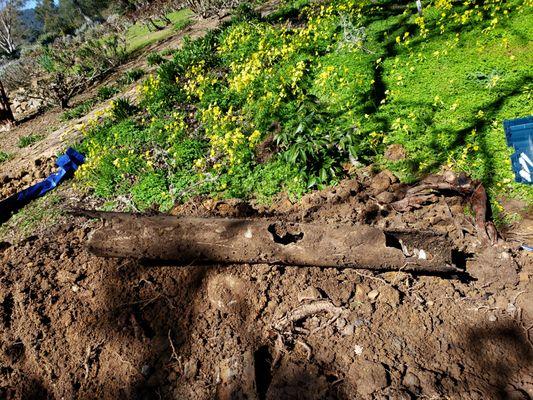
(266, 241)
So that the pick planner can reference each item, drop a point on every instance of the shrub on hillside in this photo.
(121, 109)
(154, 58)
(206, 8)
(79, 111)
(26, 141)
(4, 156)
(60, 70)
(131, 76)
(106, 92)
(71, 66)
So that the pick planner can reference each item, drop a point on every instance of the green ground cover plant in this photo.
(78, 111)
(106, 92)
(25, 141)
(292, 101)
(4, 156)
(39, 214)
(131, 76)
(154, 58)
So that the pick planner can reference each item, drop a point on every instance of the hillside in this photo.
(296, 100)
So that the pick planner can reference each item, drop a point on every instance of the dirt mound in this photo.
(78, 326)
(13, 182)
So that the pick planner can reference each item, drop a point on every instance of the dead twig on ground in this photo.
(90, 355)
(174, 354)
(375, 278)
(306, 347)
(284, 327)
(305, 311)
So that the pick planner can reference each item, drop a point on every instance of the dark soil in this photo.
(75, 326)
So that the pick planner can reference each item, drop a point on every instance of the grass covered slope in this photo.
(290, 102)
(139, 35)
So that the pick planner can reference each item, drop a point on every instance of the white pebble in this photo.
(373, 294)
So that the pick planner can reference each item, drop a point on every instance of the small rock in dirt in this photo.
(395, 152)
(360, 293)
(492, 318)
(449, 176)
(348, 330)
(511, 309)
(352, 323)
(411, 381)
(358, 350)
(341, 323)
(75, 288)
(373, 294)
(505, 255)
(146, 370)
(311, 293)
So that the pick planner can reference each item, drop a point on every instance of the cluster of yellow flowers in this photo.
(491, 10)
(150, 86)
(227, 136)
(443, 4)
(92, 159)
(176, 127)
(245, 71)
(277, 45)
(197, 79)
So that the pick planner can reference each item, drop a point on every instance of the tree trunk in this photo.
(7, 120)
(261, 241)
